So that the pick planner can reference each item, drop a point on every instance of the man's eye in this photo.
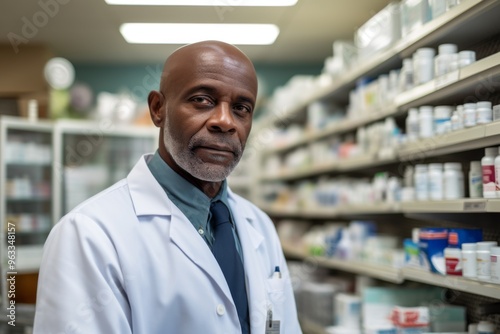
(242, 108)
(200, 99)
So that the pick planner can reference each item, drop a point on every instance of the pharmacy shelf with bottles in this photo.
(46, 167)
(331, 149)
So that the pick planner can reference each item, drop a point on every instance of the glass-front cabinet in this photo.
(91, 156)
(26, 194)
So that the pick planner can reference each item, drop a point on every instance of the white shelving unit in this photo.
(464, 24)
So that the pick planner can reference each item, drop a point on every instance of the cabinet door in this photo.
(93, 162)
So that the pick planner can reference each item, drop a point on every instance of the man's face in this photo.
(208, 114)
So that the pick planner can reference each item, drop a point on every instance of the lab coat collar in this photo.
(148, 197)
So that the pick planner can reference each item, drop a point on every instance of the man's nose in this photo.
(222, 119)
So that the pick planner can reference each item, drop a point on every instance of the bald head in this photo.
(205, 54)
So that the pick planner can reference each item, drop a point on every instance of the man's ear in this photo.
(155, 102)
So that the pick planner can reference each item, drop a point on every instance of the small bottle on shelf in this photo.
(475, 180)
(453, 181)
(488, 171)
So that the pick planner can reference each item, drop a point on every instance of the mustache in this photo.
(235, 146)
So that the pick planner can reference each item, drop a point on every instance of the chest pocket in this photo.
(276, 296)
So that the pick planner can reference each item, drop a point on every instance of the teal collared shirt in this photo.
(192, 202)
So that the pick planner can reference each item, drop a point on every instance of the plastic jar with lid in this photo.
(421, 182)
(444, 59)
(495, 264)
(406, 75)
(485, 327)
(453, 181)
(456, 121)
(423, 65)
(442, 115)
(435, 180)
(425, 122)
(412, 125)
(469, 263)
(466, 57)
(483, 259)
(452, 260)
(475, 180)
(488, 172)
(484, 114)
(469, 115)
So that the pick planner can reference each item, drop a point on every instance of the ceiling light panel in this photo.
(226, 3)
(185, 33)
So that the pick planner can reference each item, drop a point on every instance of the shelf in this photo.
(399, 275)
(28, 199)
(34, 164)
(309, 327)
(463, 23)
(445, 206)
(334, 211)
(452, 282)
(464, 80)
(465, 205)
(383, 272)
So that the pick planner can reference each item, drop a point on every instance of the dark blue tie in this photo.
(224, 249)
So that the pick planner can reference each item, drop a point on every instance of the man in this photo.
(150, 254)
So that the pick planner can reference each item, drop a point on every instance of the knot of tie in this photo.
(220, 214)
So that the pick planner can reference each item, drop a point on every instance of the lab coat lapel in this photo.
(195, 248)
(251, 240)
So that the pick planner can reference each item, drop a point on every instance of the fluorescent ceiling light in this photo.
(185, 33)
(230, 3)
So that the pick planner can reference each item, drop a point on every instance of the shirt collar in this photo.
(187, 197)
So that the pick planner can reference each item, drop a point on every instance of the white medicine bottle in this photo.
(488, 171)
(475, 180)
(412, 124)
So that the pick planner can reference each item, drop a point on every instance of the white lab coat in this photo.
(128, 261)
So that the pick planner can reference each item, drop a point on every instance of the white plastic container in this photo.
(495, 264)
(435, 181)
(466, 57)
(442, 115)
(475, 180)
(456, 121)
(445, 57)
(406, 75)
(423, 65)
(469, 115)
(496, 112)
(426, 122)
(483, 259)
(484, 114)
(421, 182)
(485, 327)
(488, 172)
(453, 181)
(412, 125)
(438, 7)
(469, 263)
